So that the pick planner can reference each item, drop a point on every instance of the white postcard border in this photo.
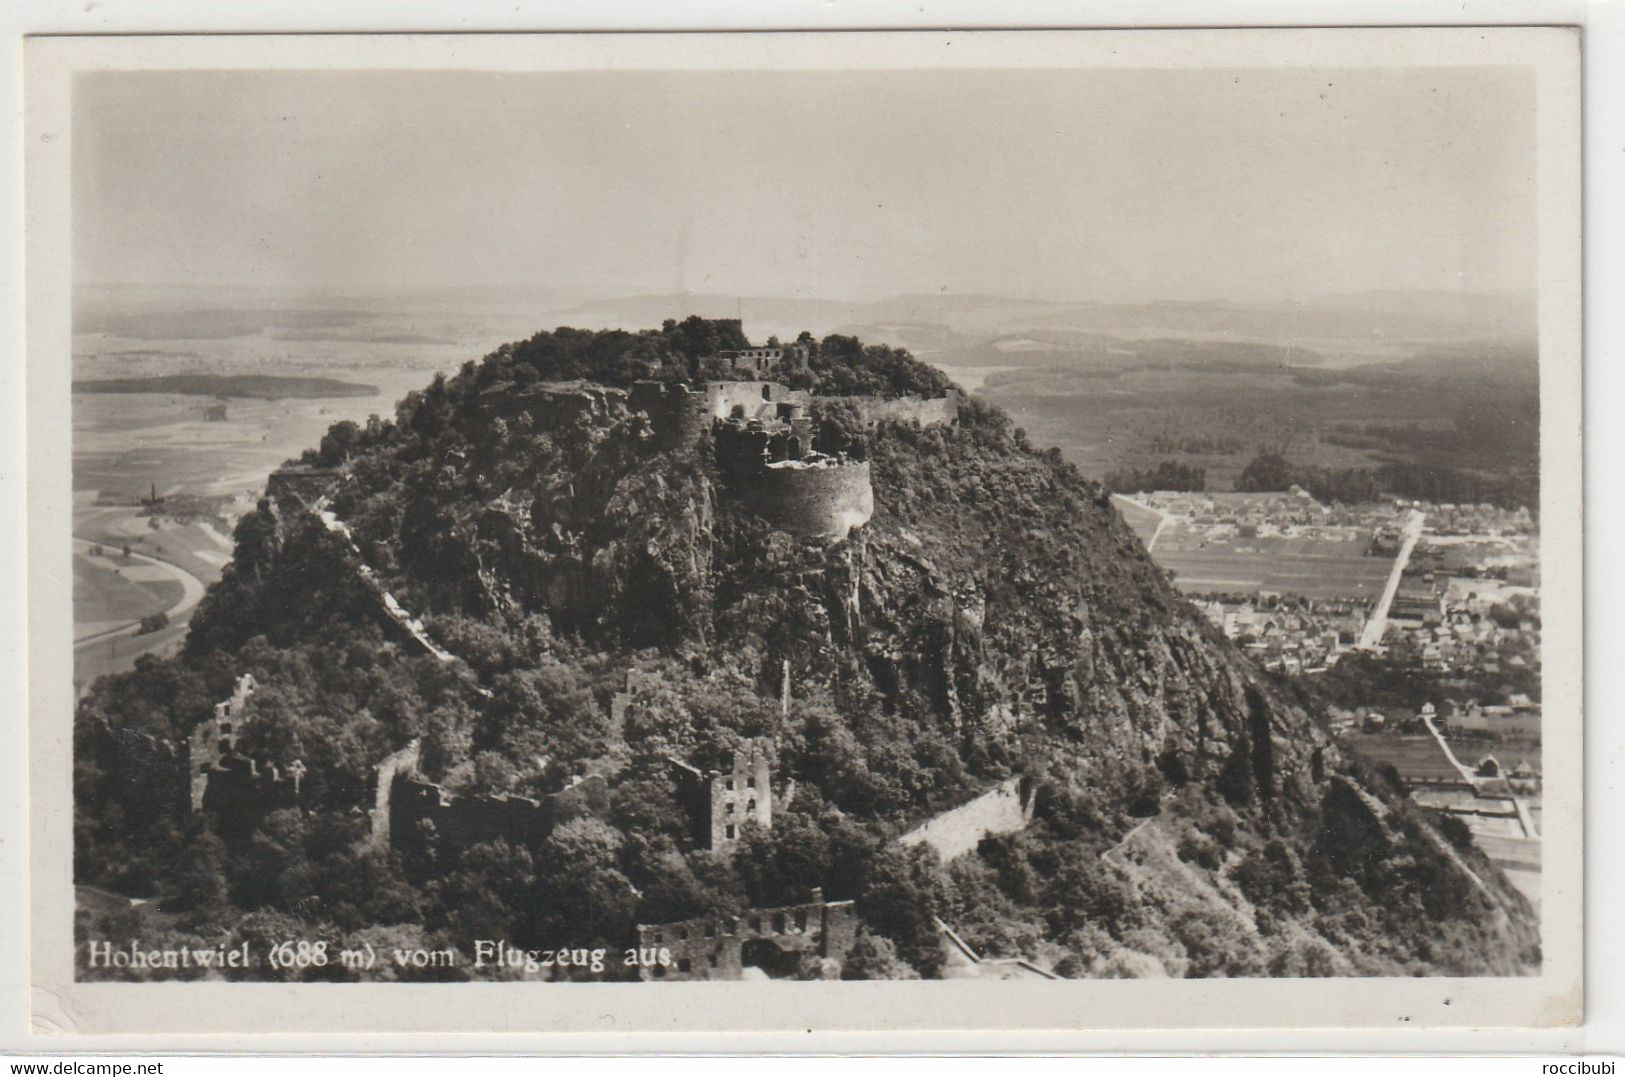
(65, 1007)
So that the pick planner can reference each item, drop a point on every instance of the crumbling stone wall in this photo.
(1000, 810)
(761, 360)
(677, 414)
(215, 738)
(719, 804)
(403, 761)
(461, 821)
(403, 801)
(936, 411)
(752, 399)
(236, 790)
(241, 792)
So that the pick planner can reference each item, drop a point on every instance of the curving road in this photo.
(1162, 518)
(191, 594)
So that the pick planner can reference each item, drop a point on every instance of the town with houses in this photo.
(1444, 597)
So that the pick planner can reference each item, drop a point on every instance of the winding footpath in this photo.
(392, 608)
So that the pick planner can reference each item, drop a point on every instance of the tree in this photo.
(340, 441)
(1167, 475)
(583, 894)
(874, 957)
(1267, 472)
(199, 881)
(905, 894)
(784, 864)
(483, 893)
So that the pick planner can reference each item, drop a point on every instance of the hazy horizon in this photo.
(1123, 186)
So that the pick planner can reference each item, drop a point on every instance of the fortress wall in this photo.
(240, 793)
(403, 800)
(957, 831)
(942, 410)
(302, 486)
(677, 414)
(811, 501)
(713, 947)
(399, 762)
(461, 821)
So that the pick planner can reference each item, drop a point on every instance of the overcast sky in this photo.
(1105, 185)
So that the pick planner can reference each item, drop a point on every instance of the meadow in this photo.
(1310, 567)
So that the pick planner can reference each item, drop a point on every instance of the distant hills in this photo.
(262, 386)
(1487, 329)
(1363, 327)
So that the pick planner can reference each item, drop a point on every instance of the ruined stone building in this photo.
(236, 789)
(742, 794)
(788, 357)
(719, 804)
(407, 808)
(772, 941)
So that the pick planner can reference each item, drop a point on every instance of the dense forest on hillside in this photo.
(994, 618)
(1270, 471)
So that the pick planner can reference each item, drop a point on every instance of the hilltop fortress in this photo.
(763, 434)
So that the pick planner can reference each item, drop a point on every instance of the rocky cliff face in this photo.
(994, 616)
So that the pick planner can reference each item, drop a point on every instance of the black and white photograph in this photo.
(821, 511)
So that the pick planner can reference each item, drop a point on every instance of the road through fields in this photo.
(1378, 624)
(191, 594)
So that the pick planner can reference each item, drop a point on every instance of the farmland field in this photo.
(114, 590)
(129, 445)
(1141, 520)
(1417, 757)
(169, 566)
(1311, 567)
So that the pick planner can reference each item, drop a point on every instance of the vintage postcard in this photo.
(758, 532)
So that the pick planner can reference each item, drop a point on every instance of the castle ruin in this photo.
(771, 940)
(721, 803)
(407, 807)
(790, 357)
(235, 788)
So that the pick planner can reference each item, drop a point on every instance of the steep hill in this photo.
(615, 598)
